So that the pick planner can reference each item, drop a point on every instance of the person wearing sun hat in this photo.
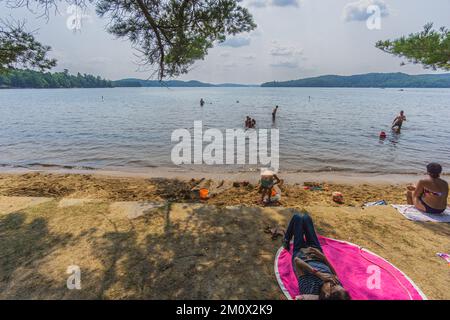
(430, 194)
(268, 180)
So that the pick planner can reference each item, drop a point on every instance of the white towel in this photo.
(412, 213)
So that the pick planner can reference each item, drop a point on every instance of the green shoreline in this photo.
(32, 79)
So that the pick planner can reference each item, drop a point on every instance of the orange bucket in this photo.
(204, 193)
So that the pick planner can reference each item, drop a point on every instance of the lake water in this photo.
(336, 130)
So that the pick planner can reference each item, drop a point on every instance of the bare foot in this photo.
(409, 197)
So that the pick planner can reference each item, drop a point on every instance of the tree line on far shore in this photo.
(170, 36)
(35, 79)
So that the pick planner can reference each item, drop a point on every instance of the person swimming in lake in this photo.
(316, 277)
(430, 194)
(398, 122)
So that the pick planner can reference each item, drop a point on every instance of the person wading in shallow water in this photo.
(274, 113)
(248, 121)
(430, 194)
(398, 121)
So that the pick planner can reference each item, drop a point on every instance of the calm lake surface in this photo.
(336, 130)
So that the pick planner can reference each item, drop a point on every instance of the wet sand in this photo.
(250, 175)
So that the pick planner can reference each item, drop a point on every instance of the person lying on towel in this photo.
(316, 276)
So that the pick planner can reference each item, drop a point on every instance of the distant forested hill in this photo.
(35, 79)
(370, 80)
(132, 82)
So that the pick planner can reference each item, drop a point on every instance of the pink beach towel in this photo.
(365, 275)
(444, 256)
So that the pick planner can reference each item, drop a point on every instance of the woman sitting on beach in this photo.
(430, 194)
(316, 276)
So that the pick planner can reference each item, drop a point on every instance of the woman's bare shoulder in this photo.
(444, 182)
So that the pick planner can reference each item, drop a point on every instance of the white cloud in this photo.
(229, 65)
(283, 51)
(357, 11)
(274, 3)
(286, 64)
(286, 56)
(236, 42)
(256, 33)
(257, 3)
(285, 3)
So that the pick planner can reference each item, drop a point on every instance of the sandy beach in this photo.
(176, 185)
(183, 173)
(184, 248)
(195, 151)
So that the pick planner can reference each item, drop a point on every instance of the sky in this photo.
(294, 39)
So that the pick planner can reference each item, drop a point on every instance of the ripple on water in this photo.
(337, 130)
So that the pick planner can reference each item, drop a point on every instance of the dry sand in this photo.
(132, 188)
(187, 250)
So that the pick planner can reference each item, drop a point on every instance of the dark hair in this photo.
(434, 170)
(335, 295)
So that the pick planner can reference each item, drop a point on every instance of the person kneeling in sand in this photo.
(316, 276)
(430, 194)
(268, 180)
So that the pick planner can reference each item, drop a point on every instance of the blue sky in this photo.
(294, 39)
